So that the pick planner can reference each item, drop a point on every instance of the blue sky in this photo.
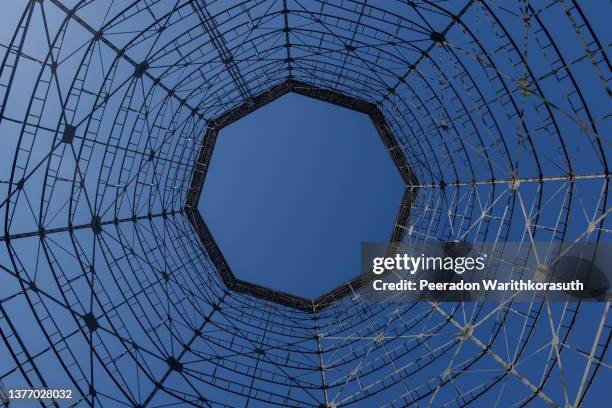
(294, 189)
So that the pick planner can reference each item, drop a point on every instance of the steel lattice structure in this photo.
(501, 110)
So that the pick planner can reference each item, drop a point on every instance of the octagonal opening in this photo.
(292, 191)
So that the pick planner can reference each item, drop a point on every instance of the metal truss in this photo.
(201, 168)
(108, 285)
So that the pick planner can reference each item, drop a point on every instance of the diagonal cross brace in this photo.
(211, 27)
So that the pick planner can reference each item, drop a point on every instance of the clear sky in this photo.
(292, 191)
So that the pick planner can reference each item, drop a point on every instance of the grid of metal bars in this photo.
(501, 110)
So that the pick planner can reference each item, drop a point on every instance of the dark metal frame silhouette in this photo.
(104, 107)
(250, 105)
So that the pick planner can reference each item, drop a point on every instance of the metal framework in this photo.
(501, 109)
(252, 104)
